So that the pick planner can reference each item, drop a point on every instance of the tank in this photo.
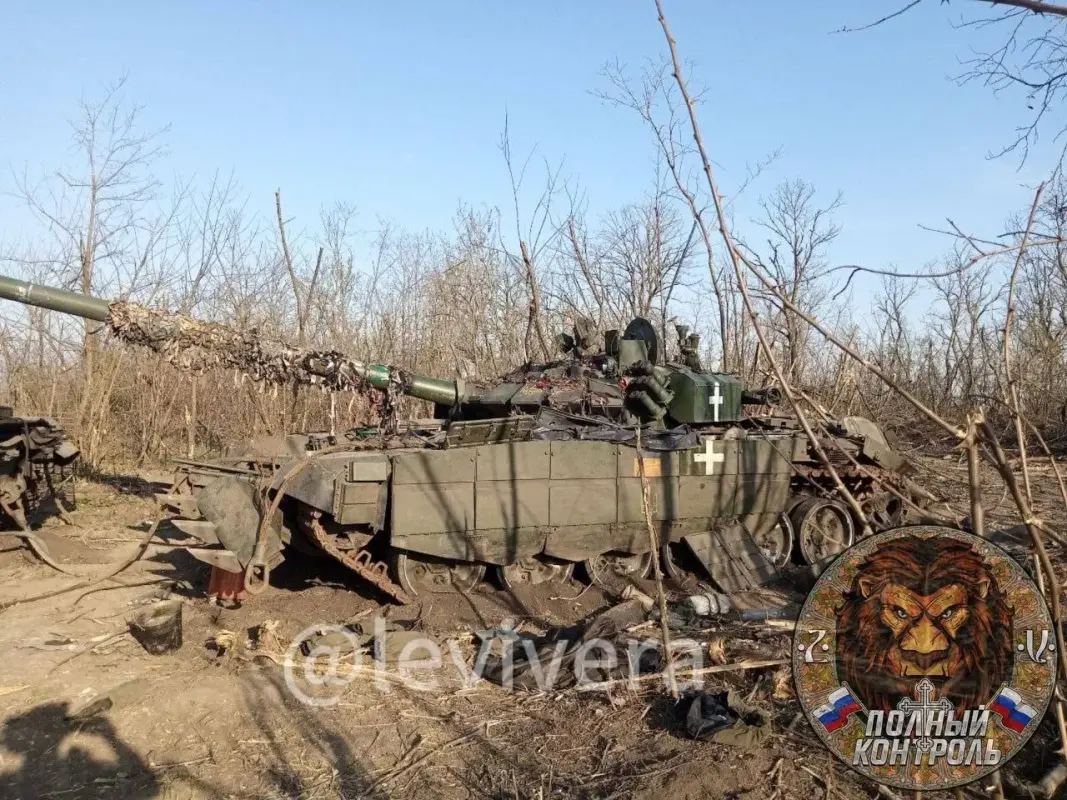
(528, 477)
(35, 459)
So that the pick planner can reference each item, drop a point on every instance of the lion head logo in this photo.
(924, 608)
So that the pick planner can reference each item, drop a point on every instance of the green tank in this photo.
(528, 477)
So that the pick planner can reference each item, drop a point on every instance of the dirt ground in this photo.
(200, 723)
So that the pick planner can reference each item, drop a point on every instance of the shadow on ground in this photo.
(80, 759)
(305, 756)
(48, 755)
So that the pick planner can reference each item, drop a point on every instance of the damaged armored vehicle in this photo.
(35, 459)
(527, 478)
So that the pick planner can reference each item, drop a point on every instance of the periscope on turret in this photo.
(528, 478)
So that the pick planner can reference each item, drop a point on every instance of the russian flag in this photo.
(1015, 714)
(834, 715)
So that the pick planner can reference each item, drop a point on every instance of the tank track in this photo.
(868, 485)
(358, 558)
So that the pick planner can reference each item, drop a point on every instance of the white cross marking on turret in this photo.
(715, 400)
(709, 458)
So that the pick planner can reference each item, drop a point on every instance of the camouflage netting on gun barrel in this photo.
(195, 346)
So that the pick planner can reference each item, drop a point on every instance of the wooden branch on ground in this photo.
(737, 666)
(121, 567)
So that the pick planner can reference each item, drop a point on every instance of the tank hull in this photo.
(501, 493)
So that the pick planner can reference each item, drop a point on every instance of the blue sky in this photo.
(398, 107)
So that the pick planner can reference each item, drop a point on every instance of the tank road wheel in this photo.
(534, 571)
(678, 564)
(823, 528)
(615, 571)
(777, 542)
(420, 574)
(884, 511)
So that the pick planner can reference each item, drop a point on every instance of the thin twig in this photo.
(153, 582)
(877, 22)
(396, 773)
(653, 542)
(113, 638)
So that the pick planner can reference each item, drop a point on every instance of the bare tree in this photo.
(539, 237)
(893, 344)
(654, 97)
(798, 232)
(632, 265)
(100, 217)
(1030, 60)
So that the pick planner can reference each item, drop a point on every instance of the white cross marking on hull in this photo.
(715, 400)
(709, 458)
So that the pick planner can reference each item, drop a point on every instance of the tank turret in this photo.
(628, 380)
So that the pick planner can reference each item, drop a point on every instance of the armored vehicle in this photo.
(555, 466)
(35, 457)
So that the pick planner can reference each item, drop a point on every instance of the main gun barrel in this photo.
(324, 365)
(34, 294)
(436, 390)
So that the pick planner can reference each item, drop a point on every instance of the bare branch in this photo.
(1036, 6)
(877, 22)
(1028, 59)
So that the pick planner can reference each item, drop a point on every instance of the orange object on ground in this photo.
(227, 585)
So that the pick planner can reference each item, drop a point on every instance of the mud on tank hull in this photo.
(734, 506)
